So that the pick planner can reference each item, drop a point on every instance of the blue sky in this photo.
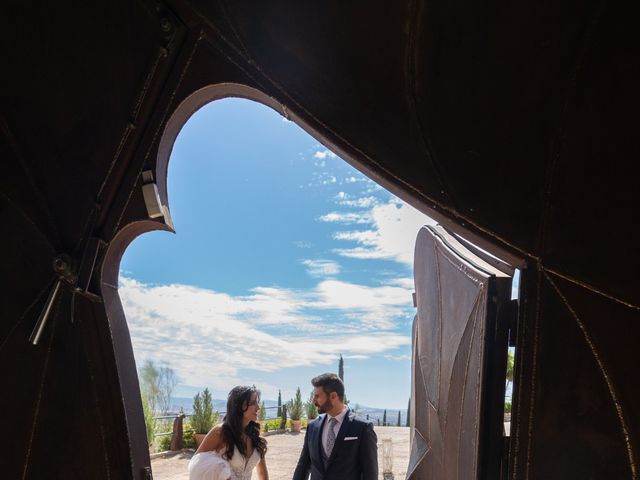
(284, 258)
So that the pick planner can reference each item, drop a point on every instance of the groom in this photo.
(337, 446)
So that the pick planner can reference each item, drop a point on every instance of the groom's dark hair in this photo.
(330, 382)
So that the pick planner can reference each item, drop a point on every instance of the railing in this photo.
(178, 430)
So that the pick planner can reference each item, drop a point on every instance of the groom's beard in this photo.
(325, 407)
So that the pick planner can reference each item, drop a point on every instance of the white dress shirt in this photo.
(336, 428)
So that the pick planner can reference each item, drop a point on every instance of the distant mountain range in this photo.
(185, 404)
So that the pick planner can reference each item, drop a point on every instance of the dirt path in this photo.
(283, 453)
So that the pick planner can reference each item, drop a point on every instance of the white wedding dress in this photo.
(212, 466)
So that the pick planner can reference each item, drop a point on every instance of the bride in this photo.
(232, 449)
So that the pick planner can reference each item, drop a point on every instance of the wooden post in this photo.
(176, 436)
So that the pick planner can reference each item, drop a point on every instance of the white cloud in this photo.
(322, 154)
(303, 244)
(374, 307)
(407, 283)
(347, 217)
(322, 268)
(353, 179)
(329, 180)
(364, 237)
(347, 200)
(323, 179)
(212, 338)
(398, 357)
(395, 226)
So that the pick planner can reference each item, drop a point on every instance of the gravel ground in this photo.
(283, 453)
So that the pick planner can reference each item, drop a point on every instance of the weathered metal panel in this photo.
(453, 365)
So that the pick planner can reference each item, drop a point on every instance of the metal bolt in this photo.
(62, 264)
(165, 25)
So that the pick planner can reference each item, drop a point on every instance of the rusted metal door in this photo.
(460, 337)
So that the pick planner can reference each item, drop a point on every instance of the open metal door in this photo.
(460, 337)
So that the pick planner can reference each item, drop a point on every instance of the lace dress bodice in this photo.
(242, 468)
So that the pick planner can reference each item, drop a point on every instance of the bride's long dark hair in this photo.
(238, 403)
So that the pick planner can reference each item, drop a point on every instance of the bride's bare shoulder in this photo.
(217, 429)
(217, 434)
(213, 441)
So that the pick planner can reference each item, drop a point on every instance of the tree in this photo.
(345, 400)
(384, 418)
(150, 384)
(167, 380)
(510, 363)
(263, 412)
(203, 416)
(399, 420)
(310, 408)
(279, 404)
(295, 406)
(157, 385)
(409, 413)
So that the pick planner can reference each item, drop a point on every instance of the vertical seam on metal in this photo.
(34, 186)
(560, 138)
(532, 383)
(603, 370)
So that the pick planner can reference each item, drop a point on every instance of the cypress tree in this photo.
(279, 404)
(408, 412)
(399, 425)
(341, 369)
(384, 418)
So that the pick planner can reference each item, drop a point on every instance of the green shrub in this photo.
(303, 423)
(187, 439)
(270, 425)
(203, 416)
(507, 407)
(149, 421)
(164, 443)
(274, 424)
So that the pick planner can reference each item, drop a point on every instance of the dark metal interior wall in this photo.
(537, 102)
(575, 402)
(69, 111)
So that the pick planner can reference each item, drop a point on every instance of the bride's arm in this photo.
(263, 474)
(213, 440)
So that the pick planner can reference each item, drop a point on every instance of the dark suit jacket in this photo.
(355, 458)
